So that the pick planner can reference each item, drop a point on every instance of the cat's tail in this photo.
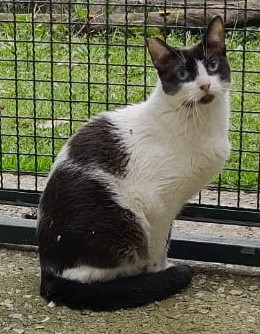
(117, 294)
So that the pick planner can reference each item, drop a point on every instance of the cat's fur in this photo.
(117, 185)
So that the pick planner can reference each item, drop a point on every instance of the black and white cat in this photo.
(118, 183)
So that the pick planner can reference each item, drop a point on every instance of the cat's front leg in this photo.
(158, 256)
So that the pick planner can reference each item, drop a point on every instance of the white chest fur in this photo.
(172, 155)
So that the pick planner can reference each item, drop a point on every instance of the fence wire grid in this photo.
(62, 62)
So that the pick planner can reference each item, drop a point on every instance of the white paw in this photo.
(51, 304)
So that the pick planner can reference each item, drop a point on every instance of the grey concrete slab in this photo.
(220, 300)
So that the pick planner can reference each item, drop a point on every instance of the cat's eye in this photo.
(213, 66)
(183, 74)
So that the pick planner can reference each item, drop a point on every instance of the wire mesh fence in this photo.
(62, 62)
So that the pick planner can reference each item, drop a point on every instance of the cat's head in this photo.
(195, 73)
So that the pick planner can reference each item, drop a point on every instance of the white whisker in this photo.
(202, 120)
(186, 120)
(194, 119)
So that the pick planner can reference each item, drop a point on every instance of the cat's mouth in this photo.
(207, 99)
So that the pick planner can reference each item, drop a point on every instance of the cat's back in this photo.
(76, 181)
(79, 216)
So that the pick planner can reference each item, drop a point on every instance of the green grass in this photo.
(91, 99)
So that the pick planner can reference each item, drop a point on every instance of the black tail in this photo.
(117, 294)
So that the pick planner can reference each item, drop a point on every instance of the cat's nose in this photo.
(205, 87)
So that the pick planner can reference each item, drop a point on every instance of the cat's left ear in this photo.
(215, 34)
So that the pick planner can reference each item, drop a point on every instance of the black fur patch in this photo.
(80, 223)
(121, 293)
(99, 142)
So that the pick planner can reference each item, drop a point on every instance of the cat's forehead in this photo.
(195, 52)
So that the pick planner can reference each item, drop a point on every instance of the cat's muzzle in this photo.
(204, 100)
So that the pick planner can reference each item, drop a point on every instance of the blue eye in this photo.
(183, 74)
(213, 66)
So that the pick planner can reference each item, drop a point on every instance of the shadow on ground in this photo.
(219, 301)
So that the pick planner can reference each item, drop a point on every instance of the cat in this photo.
(119, 182)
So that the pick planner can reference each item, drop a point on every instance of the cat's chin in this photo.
(207, 99)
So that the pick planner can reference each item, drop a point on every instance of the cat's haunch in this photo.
(119, 182)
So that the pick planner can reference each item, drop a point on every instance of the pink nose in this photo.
(205, 87)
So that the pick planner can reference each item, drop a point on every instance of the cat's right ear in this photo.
(159, 51)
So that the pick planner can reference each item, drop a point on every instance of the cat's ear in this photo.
(215, 34)
(159, 51)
